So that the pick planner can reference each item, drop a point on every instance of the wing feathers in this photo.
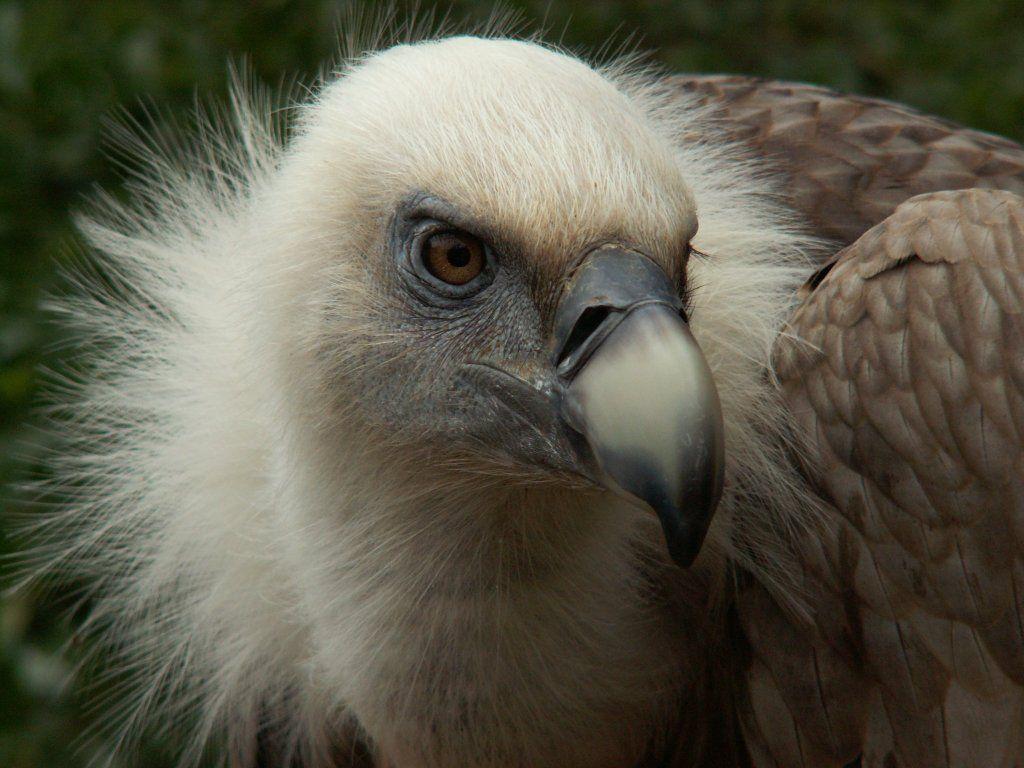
(902, 366)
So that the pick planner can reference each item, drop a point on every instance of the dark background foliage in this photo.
(68, 66)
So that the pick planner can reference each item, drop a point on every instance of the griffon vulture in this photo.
(518, 413)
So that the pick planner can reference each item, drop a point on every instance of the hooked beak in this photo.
(635, 385)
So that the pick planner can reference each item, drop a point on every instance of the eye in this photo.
(455, 258)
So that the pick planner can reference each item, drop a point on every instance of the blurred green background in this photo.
(67, 66)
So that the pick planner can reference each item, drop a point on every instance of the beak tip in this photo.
(684, 534)
(685, 522)
(683, 554)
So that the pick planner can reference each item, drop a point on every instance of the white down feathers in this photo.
(256, 555)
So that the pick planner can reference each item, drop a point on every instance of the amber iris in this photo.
(453, 257)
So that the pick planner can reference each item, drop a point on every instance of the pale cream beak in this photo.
(643, 397)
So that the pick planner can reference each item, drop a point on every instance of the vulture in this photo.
(505, 411)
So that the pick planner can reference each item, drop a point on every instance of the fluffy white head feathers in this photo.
(296, 520)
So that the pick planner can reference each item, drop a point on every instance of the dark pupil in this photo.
(458, 256)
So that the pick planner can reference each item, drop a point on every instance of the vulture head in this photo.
(395, 420)
(490, 242)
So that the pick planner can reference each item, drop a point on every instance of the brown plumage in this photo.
(904, 370)
(850, 160)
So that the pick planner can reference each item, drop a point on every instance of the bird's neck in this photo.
(468, 623)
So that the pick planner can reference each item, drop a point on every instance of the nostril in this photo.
(586, 325)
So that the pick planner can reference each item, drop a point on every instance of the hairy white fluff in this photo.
(264, 558)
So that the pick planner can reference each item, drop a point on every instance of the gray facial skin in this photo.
(617, 393)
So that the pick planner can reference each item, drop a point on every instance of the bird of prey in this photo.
(511, 412)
